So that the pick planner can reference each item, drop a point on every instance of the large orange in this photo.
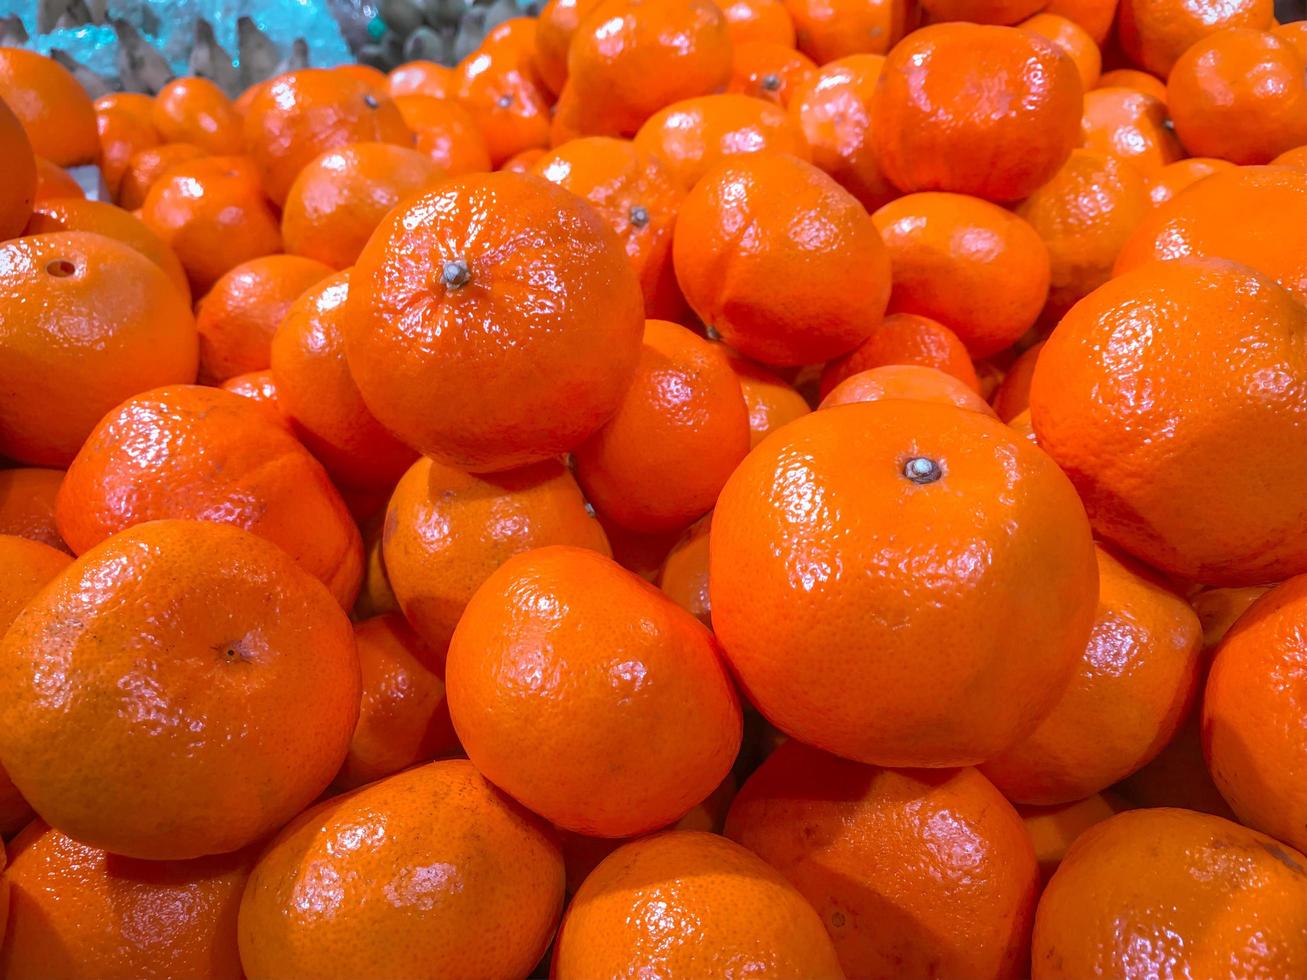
(19, 188)
(493, 321)
(189, 452)
(428, 874)
(196, 111)
(621, 694)
(54, 109)
(446, 132)
(88, 321)
(1175, 398)
(903, 338)
(914, 873)
(27, 504)
(182, 725)
(1132, 126)
(826, 30)
(146, 166)
(1154, 33)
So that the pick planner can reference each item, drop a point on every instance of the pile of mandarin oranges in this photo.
(700, 489)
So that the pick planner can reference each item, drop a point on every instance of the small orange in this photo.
(1154, 33)
(1074, 40)
(771, 402)
(694, 135)
(146, 166)
(497, 86)
(196, 111)
(1175, 398)
(446, 532)
(430, 873)
(1172, 891)
(1255, 712)
(259, 387)
(783, 262)
(421, 78)
(202, 453)
(54, 181)
(1175, 177)
(904, 338)
(1132, 78)
(319, 397)
(697, 905)
(621, 693)
(81, 913)
(493, 322)
(1013, 396)
(681, 429)
(375, 597)
(1020, 424)
(1239, 95)
(1295, 34)
(757, 21)
(684, 575)
(975, 267)
(914, 874)
(1053, 829)
(1095, 16)
(850, 595)
(27, 504)
(238, 316)
(88, 321)
(826, 30)
(53, 107)
(989, 111)
(1295, 159)
(138, 104)
(446, 132)
(198, 726)
(768, 71)
(524, 162)
(555, 26)
(122, 135)
(1130, 125)
(18, 190)
(980, 11)
(913, 382)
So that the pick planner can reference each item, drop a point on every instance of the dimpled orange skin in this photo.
(1240, 95)
(633, 191)
(317, 393)
(1169, 892)
(769, 71)
(1134, 684)
(1132, 78)
(446, 132)
(686, 903)
(833, 110)
(914, 382)
(1175, 398)
(770, 401)
(74, 345)
(189, 452)
(19, 188)
(1130, 125)
(403, 718)
(493, 322)
(1255, 714)
(340, 197)
(893, 622)
(1053, 829)
(1074, 40)
(1085, 214)
(904, 338)
(181, 726)
(1155, 33)
(694, 135)
(989, 111)
(975, 267)
(826, 30)
(80, 913)
(1013, 395)
(681, 430)
(27, 504)
(1249, 215)
(427, 874)
(630, 713)
(146, 166)
(54, 109)
(684, 575)
(196, 111)
(915, 873)
(1175, 177)
(783, 262)
(447, 531)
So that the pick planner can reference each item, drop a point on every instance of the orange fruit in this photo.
(27, 504)
(1053, 829)
(1133, 686)
(403, 718)
(429, 873)
(1131, 126)
(497, 86)
(238, 316)
(1185, 447)
(680, 431)
(694, 135)
(826, 30)
(319, 397)
(1013, 396)
(1084, 214)
(195, 731)
(122, 134)
(446, 132)
(770, 401)
(1173, 890)
(768, 71)
(973, 266)
(1253, 714)
(202, 453)
(196, 111)
(695, 904)
(1132, 78)
(832, 108)
(784, 263)
(684, 575)
(375, 597)
(1154, 33)
(630, 58)
(989, 111)
(903, 338)
(1073, 39)
(1095, 16)
(58, 214)
(19, 188)
(296, 116)
(1175, 177)
(757, 21)
(53, 107)
(146, 166)
(863, 523)
(1295, 34)
(81, 913)
(88, 321)
(1295, 158)
(54, 181)
(980, 11)
(446, 532)
(212, 212)
(1239, 95)
(555, 26)
(913, 382)
(421, 78)
(1020, 424)
(261, 388)
(522, 163)
(619, 746)
(137, 104)
(914, 873)
(493, 322)
(1248, 215)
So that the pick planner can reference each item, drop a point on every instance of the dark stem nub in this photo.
(639, 216)
(504, 101)
(920, 469)
(370, 101)
(771, 82)
(60, 268)
(455, 273)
